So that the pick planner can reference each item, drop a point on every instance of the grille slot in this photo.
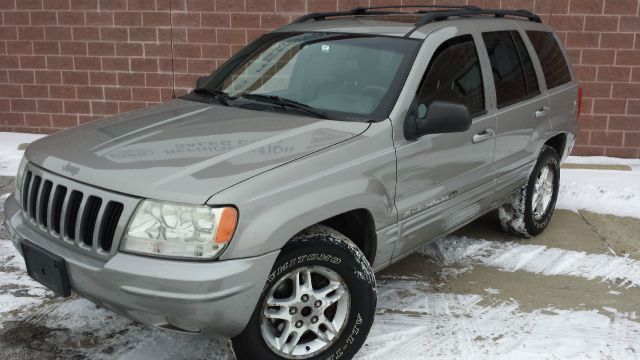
(110, 222)
(33, 197)
(43, 205)
(25, 189)
(71, 217)
(56, 208)
(73, 214)
(89, 217)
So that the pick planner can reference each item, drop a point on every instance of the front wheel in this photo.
(529, 211)
(318, 303)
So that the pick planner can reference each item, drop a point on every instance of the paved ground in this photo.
(572, 292)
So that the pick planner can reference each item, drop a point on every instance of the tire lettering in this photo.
(297, 260)
(350, 340)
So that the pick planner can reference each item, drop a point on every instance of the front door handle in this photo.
(483, 135)
(542, 112)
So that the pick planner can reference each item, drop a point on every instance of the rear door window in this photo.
(554, 64)
(513, 72)
(454, 75)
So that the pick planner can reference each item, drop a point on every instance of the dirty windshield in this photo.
(343, 76)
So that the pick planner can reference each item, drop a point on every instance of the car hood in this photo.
(184, 151)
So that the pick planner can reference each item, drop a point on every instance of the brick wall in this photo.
(66, 62)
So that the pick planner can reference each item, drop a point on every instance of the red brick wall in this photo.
(65, 62)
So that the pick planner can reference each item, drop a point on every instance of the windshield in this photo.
(347, 76)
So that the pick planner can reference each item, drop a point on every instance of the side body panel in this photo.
(444, 180)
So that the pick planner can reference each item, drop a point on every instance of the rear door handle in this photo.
(483, 135)
(542, 112)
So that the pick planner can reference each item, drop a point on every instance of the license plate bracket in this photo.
(46, 268)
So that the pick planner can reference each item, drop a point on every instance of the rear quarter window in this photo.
(554, 64)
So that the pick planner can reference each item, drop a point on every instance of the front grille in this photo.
(73, 213)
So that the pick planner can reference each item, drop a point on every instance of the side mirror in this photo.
(437, 118)
(202, 82)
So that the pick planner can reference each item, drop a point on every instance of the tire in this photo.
(529, 211)
(331, 261)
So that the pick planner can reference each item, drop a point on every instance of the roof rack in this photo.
(375, 10)
(428, 16)
(443, 15)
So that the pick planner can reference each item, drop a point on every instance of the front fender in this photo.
(273, 207)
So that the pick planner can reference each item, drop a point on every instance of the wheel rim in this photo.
(542, 192)
(304, 312)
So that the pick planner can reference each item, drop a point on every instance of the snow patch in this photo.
(10, 156)
(538, 259)
(452, 326)
(600, 191)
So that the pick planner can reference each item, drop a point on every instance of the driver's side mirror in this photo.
(202, 82)
(436, 118)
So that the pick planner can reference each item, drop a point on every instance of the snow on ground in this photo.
(536, 259)
(464, 329)
(9, 154)
(614, 192)
(600, 191)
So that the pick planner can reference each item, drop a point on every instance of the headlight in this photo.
(19, 178)
(180, 231)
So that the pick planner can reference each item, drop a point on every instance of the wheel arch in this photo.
(559, 143)
(358, 225)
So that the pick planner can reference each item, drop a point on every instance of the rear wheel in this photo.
(530, 210)
(319, 302)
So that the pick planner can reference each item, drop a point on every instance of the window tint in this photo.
(454, 75)
(513, 72)
(530, 78)
(554, 65)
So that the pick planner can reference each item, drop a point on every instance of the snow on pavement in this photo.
(466, 330)
(600, 191)
(536, 259)
(9, 154)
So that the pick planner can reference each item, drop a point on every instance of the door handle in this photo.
(542, 112)
(483, 135)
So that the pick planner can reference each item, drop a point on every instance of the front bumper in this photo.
(214, 297)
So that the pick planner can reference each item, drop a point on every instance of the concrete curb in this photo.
(596, 167)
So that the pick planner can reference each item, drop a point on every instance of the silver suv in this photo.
(259, 205)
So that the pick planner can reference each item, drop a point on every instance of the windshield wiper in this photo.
(285, 103)
(221, 96)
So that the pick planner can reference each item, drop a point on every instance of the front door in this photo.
(445, 180)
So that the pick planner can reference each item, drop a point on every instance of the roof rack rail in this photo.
(375, 10)
(443, 15)
(428, 16)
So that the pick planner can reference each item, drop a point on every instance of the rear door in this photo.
(560, 88)
(445, 180)
(522, 109)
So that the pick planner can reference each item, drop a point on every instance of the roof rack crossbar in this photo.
(443, 15)
(318, 16)
(375, 10)
(417, 6)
